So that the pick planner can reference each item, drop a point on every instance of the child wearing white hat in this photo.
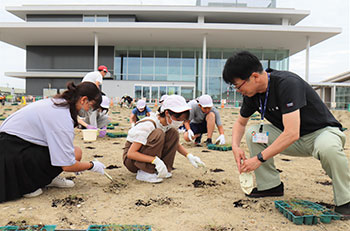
(152, 143)
(97, 119)
(139, 112)
(203, 118)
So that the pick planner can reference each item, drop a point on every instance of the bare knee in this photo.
(78, 153)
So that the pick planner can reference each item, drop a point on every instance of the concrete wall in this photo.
(68, 58)
(35, 86)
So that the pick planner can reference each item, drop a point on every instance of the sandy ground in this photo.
(174, 204)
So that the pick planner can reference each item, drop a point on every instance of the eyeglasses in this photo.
(238, 87)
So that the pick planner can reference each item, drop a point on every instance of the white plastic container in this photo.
(89, 134)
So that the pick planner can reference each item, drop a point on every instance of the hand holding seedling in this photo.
(98, 167)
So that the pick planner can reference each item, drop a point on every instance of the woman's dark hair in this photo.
(241, 65)
(175, 114)
(74, 93)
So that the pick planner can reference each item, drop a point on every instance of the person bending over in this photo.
(139, 112)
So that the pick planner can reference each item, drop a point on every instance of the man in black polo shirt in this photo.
(301, 125)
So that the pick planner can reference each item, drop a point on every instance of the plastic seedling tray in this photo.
(219, 147)
(116, 134)
(115, 112)
(255, 118)
(119, 228)
(28, 228)
(2, 118)
(111, 127)
(305, 212)
(8, 109)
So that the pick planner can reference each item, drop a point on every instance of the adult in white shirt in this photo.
(152, 143)
(96, 77)
(37, 143)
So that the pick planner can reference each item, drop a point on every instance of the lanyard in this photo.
(263, 109)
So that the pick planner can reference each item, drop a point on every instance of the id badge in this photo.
(260, 137)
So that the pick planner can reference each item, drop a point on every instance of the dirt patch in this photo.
(69, 201)
(98, 156)
(326, 182)
(115, 187)
(89, 147)
(217, 170)
(157, 201)
(203, 184)
(284, 159)
(113, 166)
(244, 203)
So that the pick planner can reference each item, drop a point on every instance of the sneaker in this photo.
(60, 182)
(148, 177)
(277, 191)
(208, 141)
(343, 210)
(36, 193)
(168, 175)
(198, 139)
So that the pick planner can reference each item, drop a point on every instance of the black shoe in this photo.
(343, 210)
(277, 191)
(198, 139)
(208, 141)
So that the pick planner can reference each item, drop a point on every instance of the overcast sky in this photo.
(327, 59)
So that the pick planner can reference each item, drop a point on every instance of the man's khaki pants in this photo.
(326, 145)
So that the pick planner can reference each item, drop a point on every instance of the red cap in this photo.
(102, 68)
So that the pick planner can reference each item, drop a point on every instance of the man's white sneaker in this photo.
(60, 182)
(36, 193)
(148, 177)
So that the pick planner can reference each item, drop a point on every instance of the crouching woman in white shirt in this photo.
(152, 143)
(37, 143)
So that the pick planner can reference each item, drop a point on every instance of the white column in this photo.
(333, 92)
(323, 94)
(96, 52)
(204, 56)
(307, 58)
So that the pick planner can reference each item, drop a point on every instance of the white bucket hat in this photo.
(164, 97)
(141, 104)
(205, 101)
(105, 102)
(175, 103)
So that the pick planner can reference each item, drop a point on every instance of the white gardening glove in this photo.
(195, 160)
(98, 167)
(190, 135)
(132, 125)
(221, 138)
(160, 166)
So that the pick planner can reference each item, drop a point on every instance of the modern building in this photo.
(152, 50)
(335, 91)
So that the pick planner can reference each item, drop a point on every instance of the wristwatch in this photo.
(260, 157)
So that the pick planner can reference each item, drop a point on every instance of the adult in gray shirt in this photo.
(203, 118)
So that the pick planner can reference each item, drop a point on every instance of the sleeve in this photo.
(248, 108)
(148, 109)
(217, 117)
(291, 95)
(140, 132)
(192, 112)
(99, 78)
(61, 147)
(93, 118)
(134, 111)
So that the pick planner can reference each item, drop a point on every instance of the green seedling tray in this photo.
(234, 113)
(2, 118)
(116, 134)
(255, 115)
(23, 228)
(113, 124)
(119, 228)
(111, 127)
(316, 212)
(255, 118)
(8, 109)
(14, 104)
(115, 112)
(219, 147)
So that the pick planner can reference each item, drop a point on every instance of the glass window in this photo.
(214, 88)
(155, 96)
(134, 63)
(101, 18)
(214, 64)
(120, 64)
(146, 93)
(187, 93)
(138, 91)
(161, 63)
(174, 62)
(147, 65)
(172, 90)
(188, 63)
(89, 18)
(162, 91)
